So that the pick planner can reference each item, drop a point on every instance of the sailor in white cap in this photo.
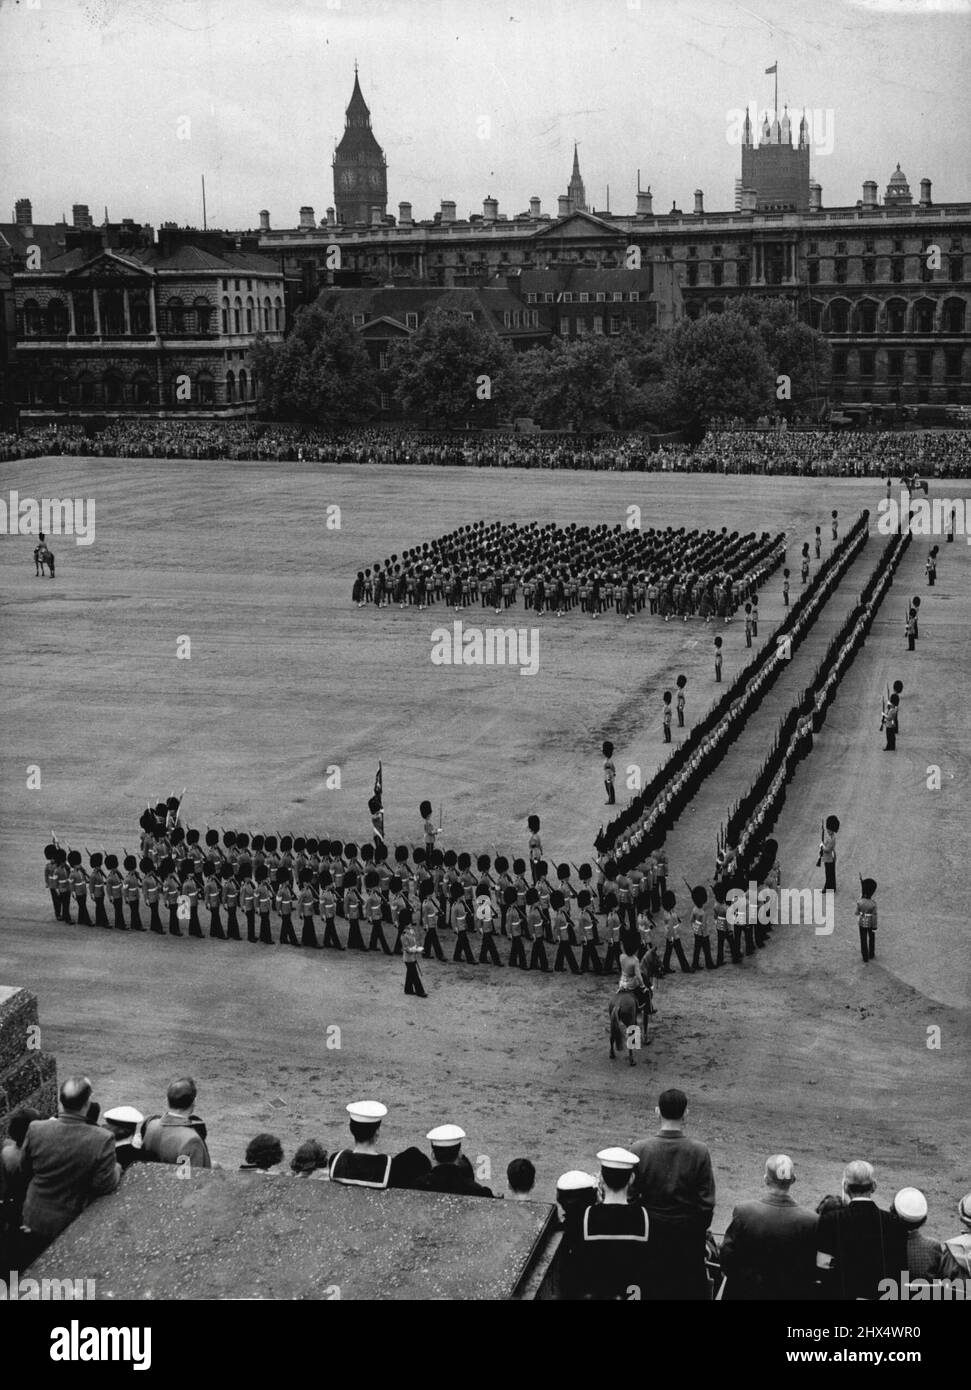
(125, 1121)
(575, 1192)
(363, 1166)
(926, 1258)
(451, 1170)
(614, 1251)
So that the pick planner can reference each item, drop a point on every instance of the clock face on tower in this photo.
(347, 178)
(375, 178)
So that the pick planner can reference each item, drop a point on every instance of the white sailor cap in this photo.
(368, 1112)
(446, 1134)
(124, 1115)
(911, 1206)
(575, 1181)
(618, 1158)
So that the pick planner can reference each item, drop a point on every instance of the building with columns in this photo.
(165, 326)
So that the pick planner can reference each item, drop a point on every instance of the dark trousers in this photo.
(537, 956)
(463, 951)
(232, 925)
(135, 918)
(488, 949)
(266, 936)
(589, 960)
(154, 920)
(517, 953)
(65, 901)
(251, 924)
(308, 937)
(56, 900)
(564, 953)
(675, 948)
(100, 916)
(718, 670)
(702, 946)
(910, 641)
(667, 733)
(355, 941)
(83, 919)
(216, 924)
(726, 942)
(891, 742)
(174, 928)
(413, 984)
(829, 868)
(680, 718)
(331, 937)
(288, 937)
(612, 958)
(432, 945)
(743, 928)
(611, 799)
(868, 939)
(118, 906)
(195, 929)
(378, 939)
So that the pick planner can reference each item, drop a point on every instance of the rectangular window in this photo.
(411, 320)
(839, 364)
(564, 328)
(614, 325)
(952, 364)
(535, 318)
(866, 364)
(584, 297)
(357, 320)
(716, 274)
(635, 296)
(548, 297)
(385, 401)
(601, 297)
(530, 299)
(506, 320)
(924, 362)
(383, 361)
(618, 296)
(581, 327)
(895, 364)
(716, 251)
(567, 297)
(598, 324)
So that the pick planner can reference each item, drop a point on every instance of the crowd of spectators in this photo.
(639, 1227)
(805, 452)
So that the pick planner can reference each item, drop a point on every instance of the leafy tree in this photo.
(793, 348)
(453, 369)
(717, 365)
(320, 373)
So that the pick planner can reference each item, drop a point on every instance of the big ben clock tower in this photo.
(360, 170)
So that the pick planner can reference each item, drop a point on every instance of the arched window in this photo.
(896, 315)
(203, 312)
(83, 313)
(56, 318)
(839, 314)
(32, 319)
(237, 315)
(278, 306)
(86, 388)
(252, 385)
(866, 316)
(954, 312)
(249, 313)
(230, 387)
(176, 315)
(815, 312)
(205, 388)
(267, 315)
(924, 316)
(225, 315)
(114, 388)
(143, 388)
(242, 383)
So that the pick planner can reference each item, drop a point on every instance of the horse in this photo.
(43, 556)
(624, 1008)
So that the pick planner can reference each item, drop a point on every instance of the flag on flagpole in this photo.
(772, 69)
(378, 785)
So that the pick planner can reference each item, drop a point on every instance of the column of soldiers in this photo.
(673, 573)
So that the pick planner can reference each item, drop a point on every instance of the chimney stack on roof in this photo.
(264, 220)
(699, 202)
(306, 219)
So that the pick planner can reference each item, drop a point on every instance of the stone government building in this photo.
(116, 319)
(895, 312)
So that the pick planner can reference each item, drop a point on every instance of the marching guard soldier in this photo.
(910, 629)
(152, 889)
(701, 927)
(212, 892)
(819, 542)
(612, 928)
(890, 723)
(230, 898)
(723, 933)
(50, 878)
(681, 682)
(610, 772)
(264, 903)
(410, 951)
(328, 907)
(535, 847)
(397, 902)
(458, 920)
(718, 659)
(748, 625)
(484, 915)
(430, 917)
(116, 890)
(428, 829)
(534, 928)
(62, 882)
(785, 588)
(660, 875)
(190, 890)
(284, 904)
(835, 524)
(866, 911)
(514, 929)
(375, 914)
(561, 930)
(666, 718)
(247, 898)
(171, 892)
(805, 562)
(79, 886)
(133, 892)
(589, 957)
(96, 881)
(827, 853)
(363, 1166)
(308, 906)
(672, 936)
(353, 912)
(503, 882)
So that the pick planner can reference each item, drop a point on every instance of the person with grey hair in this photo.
(769, 1248)
(65, 1163)
(178, 1136)
(858, 1243)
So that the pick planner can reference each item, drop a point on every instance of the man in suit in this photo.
(674, 1182)
(64, 1163)
(769, 1250)
(178, 1136)
(858, 1243)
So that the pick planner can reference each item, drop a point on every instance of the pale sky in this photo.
(467, 97)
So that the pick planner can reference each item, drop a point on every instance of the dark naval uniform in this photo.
(613, 1252)
(356, 1169)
